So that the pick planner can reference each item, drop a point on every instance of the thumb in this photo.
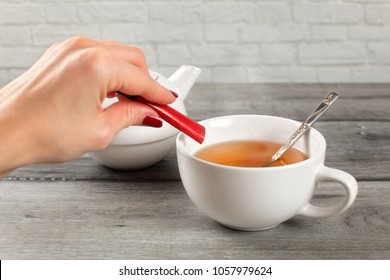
(123, 114)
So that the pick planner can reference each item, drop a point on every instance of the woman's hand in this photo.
(53, 112)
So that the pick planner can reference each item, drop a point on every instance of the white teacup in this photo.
(251, 198)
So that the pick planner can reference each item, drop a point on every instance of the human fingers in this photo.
(132, 80)
(129, 53)
(125, 65)
(126, 113)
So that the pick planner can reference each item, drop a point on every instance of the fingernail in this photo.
(174, 94)
(152, 121)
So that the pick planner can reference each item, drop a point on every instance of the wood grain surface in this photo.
(82, 210)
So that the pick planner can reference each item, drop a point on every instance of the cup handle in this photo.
(347, 182)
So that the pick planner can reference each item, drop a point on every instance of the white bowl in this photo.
(135, 156)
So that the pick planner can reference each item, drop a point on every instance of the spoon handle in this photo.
(305, 126)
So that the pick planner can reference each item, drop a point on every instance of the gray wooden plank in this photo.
(357, 101)
(360, 148)
(149, 220)
(85, 168)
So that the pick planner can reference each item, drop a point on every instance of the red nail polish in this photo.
(174, 94)
(152, 121)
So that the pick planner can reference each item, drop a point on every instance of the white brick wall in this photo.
(232, 41)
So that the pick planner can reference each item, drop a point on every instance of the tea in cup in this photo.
(225, 179)
(248, 153)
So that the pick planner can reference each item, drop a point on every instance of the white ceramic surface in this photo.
(138, 147)
(259, 198)
(135, 156)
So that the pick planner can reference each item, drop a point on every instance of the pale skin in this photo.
(53, 112)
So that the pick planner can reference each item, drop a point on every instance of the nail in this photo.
(152, 121)
(174, 94)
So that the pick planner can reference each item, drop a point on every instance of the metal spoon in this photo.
(305, 126)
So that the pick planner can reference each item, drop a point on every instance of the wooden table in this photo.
(81, 210)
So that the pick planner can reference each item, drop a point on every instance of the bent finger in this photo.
(132, 80)
(123, 114)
